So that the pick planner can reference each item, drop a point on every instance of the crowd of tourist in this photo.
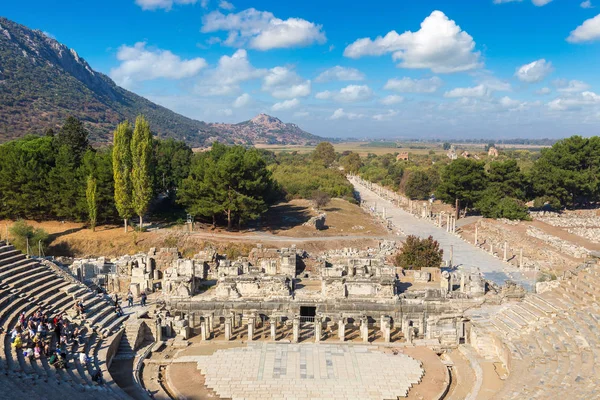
(41, 336)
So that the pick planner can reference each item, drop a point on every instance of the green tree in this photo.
(568, 173)
(324, 154)
(229, 181)
(421, 184)
(351, 163)
(122, 166)
(446, 146)
(68, 198)
(172, 160)
(92, 204)
(494, 203)
(141, 172)
(417, 253)
(463, 180)
(73, 135)
(506, 177)
(320, 199)
(23, 234)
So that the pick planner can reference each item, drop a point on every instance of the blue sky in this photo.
(431, 69)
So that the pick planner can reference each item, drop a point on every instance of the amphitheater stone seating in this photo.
(550, 341)
(27, 285)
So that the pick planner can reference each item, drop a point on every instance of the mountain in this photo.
(43, 81)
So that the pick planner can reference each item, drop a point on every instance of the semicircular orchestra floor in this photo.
(309, 371)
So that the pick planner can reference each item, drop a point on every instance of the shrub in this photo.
(22, 233)
(417, 253)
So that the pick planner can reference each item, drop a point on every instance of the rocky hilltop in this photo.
(43, 81)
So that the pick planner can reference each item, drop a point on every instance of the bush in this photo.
(494, 204)
(22, 233)
(417, 253)
(300, 181)
(320, 199)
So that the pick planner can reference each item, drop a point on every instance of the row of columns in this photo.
(505, 250)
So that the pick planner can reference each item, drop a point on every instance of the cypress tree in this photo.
(141, 175)
(122, 165)
(90, 196)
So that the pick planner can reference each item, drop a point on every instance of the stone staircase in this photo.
(551, 340)
(26, 286)
(127, 348)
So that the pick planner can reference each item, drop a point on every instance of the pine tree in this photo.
(122, 166)
(90, 196)
(141, 175)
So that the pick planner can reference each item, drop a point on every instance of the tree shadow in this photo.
(62, 249)
(53, 236)
(283, 216)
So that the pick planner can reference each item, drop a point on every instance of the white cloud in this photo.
(586, 32)
(440, 45)
(382, 117)
(261, 30)
(538, 3)
(341, 114)
(164, 4)
(349, 94)
(285, 83)
(575, 102)
(225, 5)
(391, 99)
(286, 105)
(338, 73)
(48, 34)
(586, 4)
(141, 64)
(407, 85)
(511, 104)
(573, 86)
(242, 101)
(535, 71)
(204, 3)
(543, 91)
(476, 91)
(226, 77)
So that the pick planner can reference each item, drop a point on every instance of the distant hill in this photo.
(42, 82)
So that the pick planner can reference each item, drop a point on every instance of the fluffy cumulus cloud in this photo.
(475, 91)
(385, 116)
(242, 101)
(164, 4)
(341, 114)
(261, 30)
(286, 105)
(586, 32)
(225, 5)
(338, 73)
(535, 71)
(538, 3)
(391, 99)
(285, 83)
(572, 86)
(575, 102)
(349, 94)
(408, 85)
(226, 77)
(586, 4)
(139, 63)
(440, 45)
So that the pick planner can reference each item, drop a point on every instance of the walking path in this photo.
(463, 254)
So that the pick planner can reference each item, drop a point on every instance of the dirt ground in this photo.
(280, 227)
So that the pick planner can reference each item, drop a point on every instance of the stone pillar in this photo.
(203, 333)
(364, 330)
(251, 321)
(462, 282)
(491, 248)
(521, 258)
(318, 328)
(273, 322)
(440, 220)
(383, 213)
(228, 321)
(476, 235)
(296, 330)
(386, 330)
(451, 255)
(239, 320)
(341, 330)
(505, 258)
(448, 223)
(211, 322)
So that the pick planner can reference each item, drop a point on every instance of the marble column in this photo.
(318, 328)
(251, 321)
(203, 333)
(228, 328)
(386, 329)
(296, 330)
(364, 330)
(505, 252)
(448, 223)
(341, 330)
(273, 322)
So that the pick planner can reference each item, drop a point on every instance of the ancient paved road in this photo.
(465, 254)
